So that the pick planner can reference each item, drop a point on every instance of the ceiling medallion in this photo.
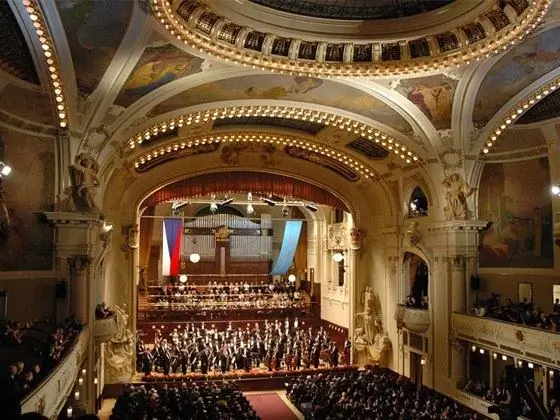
(498, 27)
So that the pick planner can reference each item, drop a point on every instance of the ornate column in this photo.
(78, 279)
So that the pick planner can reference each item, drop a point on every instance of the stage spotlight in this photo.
(226, 202)
(4, 169)
(268, 201)
(250, 209)
(311, 207)
(213, 207)
(177, 205)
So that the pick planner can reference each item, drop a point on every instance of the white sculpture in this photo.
(120, 350)
(456, 194)
(371, 342)
(84, 173)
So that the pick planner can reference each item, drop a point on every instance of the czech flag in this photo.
(171, 256)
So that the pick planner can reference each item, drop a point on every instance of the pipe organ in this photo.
(248, 240)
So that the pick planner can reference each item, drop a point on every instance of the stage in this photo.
(254, 380)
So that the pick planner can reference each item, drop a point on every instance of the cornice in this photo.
(493, 30)
(26, 126)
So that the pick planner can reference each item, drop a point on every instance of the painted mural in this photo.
(519, 68)
(94, 30)
(32, 105)
(28, 191)
(515, 199)
(433, 95)
(289, 88)
(159, 65)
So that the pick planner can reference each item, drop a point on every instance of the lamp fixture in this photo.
(338, 256)
(194, 257)
(183, 277)
(227, 201)
(4, 169)
(213, 205)
(268, 201)
(292, 278)
(555, 189)
(311, 207)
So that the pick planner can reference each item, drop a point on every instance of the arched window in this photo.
(418, 203)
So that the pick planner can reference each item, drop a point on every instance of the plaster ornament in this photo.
(134, 237)
(222, 233)
(371, 341)
(356, 240)
(456, 194)
(120, 350)
(85, 182)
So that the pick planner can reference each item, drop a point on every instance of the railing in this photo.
(104, 329)
(475, 403)
(532, 344)
(49, 397)
(413, 319)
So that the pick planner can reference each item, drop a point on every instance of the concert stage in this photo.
(255, 380)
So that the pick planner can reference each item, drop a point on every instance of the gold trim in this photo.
(51, 59)
(201, 29)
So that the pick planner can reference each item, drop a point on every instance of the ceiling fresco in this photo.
(355, 9)
(160, 64)
(433, 95)
(14, 53)
(519, 68)
(289, 88)
(31, 105)
(94, 30)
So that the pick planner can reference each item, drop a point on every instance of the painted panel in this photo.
(433, 95)
(29, 190)
(158, 65)
(514, 197)
(94, 30)
(290, 88)
(519, 68)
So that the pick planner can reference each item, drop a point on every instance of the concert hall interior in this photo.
(284, 209)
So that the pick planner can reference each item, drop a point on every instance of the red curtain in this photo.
(242, 182)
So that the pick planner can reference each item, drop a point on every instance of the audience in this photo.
(210, 400)
(26, 354)
(520, 313)
(370, 395)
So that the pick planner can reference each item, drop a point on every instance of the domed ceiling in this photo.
(355, 9)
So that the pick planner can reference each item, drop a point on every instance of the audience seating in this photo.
(209, 400)
(372, 394)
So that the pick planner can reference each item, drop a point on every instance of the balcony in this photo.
(50, 395)
(532, 344)
(413, 319)
(104, 329)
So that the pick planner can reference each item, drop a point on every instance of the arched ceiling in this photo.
(398, 118)
(355, 9)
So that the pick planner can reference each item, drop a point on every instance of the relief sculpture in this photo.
(85, 182)
(120, 350)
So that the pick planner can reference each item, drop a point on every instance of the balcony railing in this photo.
(532, 344)
(413, 319)
(104, 329)
(49, 397)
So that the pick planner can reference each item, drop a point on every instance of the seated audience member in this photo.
(102, 311)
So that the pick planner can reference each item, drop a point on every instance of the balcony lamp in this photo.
(555, 189)
(194, 258)
(4, 169)
(338, 256)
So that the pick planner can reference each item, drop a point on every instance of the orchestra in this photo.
(268, 345)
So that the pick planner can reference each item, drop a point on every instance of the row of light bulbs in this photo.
(505, 358)
(47, 45)
(259, 137)
(518, 110)
(501, 41)
(352, 126)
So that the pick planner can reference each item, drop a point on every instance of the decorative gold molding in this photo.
(51, 59)
(177, 147)
(518, 110)
(369, 132)
(194, 23)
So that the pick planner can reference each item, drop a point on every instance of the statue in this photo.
(457, 192)
(120, 350)
(371, 342)
(355, 239)
(84, 173)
